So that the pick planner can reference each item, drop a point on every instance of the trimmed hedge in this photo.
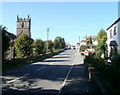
(83, 48)
(110, 73)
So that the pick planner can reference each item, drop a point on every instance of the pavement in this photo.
(62, 74)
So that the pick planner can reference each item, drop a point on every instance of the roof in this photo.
(114, 23)
(92, 37)
(11, 35)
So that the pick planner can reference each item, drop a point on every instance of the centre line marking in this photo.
(17, 78)
(66, 77)
(40, 68)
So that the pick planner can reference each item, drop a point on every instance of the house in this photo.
(86, 39)
(85, 44)
(77, 45)
(68, 46)
(113, 37)
(11, 51)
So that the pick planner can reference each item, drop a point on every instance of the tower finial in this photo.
(28, 16)
(17, 17)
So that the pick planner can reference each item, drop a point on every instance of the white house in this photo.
(113, 36)
(85, 39)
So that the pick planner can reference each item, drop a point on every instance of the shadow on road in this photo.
(76, 84)
(62, 57)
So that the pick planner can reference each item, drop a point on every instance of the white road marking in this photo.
(43, 67)
(63, 84)
(27, 74)
(51, 63)
(40, 68)
(16, 79)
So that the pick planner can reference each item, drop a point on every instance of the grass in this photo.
(19, 62)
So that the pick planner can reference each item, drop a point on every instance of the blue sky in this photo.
(66, 19)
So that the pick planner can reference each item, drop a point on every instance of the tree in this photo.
(5, 41)
(23, 45)
(89, 42)
(38, 45)
(50, 45)
(63, 43)
(56, 44)
(59, 43)
(101, 48)
(83, 48)
(102, 35)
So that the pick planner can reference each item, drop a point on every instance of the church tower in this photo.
(24, 26)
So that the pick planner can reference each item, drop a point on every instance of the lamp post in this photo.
(47, 38)
(79, 45)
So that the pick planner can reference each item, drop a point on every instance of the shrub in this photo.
(98, 63)
(23, 46)
(38, 46)
(5, 41)
(115, 71)
(83, 48)
(110, 73)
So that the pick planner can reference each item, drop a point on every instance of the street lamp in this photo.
(47, 38)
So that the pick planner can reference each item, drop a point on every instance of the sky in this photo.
(66, 19)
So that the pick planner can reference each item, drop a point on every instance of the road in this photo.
(62, 74)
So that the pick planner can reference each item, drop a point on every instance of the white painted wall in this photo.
(114, 37)
(119, 37)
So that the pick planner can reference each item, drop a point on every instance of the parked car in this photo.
(86, 52)
(82, 53)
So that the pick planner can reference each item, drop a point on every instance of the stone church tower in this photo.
(24, 26)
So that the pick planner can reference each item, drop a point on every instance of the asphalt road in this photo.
(62, 74)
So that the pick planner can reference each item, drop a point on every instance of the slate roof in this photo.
(114, 23)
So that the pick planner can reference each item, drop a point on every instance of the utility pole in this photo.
(47, 39)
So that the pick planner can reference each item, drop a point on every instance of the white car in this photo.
(86, 52)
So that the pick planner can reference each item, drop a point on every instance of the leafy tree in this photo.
(38, 45)
(102, 45)
(83, 48)
(89, 42)
(56, 44)
(102, 35)
(63, 43)
(23, 45)
(59, 43)
(50, 45)
(5, 41)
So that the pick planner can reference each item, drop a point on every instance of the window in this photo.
(110, 33)
(115, 30)
(22, 25)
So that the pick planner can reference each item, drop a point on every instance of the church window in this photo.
(22, 25)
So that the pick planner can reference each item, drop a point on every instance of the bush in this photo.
(115, 71)
(23, 46)
(38, 45)
(109, 73)
(96, 62)
(5, 42)
(83, 48)
(50, 45)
